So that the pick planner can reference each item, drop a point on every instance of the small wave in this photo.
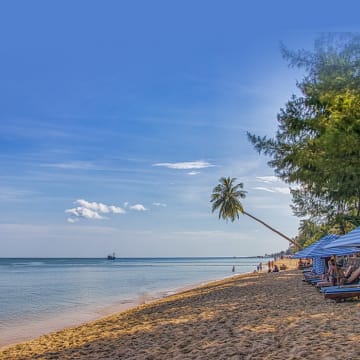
(31, 263)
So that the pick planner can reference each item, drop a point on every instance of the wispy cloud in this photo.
(159, 204)
(264, 189)
(72, 165)
(268, 179)
(186, 165)
(193, 173)
(271, 185)
(281, 190)
(10, 193)
(91, 210)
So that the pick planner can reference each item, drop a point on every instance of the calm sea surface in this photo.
(41, 295)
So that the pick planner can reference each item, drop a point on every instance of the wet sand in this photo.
(252, 316)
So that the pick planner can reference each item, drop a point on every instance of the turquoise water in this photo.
(39, 295)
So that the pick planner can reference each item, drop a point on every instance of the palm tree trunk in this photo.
(274, 230)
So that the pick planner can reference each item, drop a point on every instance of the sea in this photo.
(38, 296)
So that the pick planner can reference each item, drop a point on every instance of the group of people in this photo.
(337, 274)
(272, 267)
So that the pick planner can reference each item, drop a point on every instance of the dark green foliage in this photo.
(316, 148)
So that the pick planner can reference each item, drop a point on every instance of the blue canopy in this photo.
(352, 238)
(319, 249)
(308, 251)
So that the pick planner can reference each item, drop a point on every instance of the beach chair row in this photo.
(348, 286)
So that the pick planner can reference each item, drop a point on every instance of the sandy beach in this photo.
(252, 316)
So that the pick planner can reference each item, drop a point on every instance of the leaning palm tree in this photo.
(225, 198)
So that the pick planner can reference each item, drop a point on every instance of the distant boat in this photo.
(111, 257)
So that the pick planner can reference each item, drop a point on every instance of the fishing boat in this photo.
(111, 257)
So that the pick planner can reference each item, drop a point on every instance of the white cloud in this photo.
(159, 204)
(99, 207)
(192, 173)
(187, 165)
(272, 185)
(84, 213)
(91, 210)
(268, 179)
(116, 210)
(264, 189)
(281, 190)
(138, 207)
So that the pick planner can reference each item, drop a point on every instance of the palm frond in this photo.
(225, 198)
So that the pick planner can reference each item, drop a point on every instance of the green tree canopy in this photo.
(316, 148)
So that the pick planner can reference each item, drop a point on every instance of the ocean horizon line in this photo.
(138, 257)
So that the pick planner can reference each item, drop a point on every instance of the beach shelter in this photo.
(318, 252)
(352, 238)
(309, 251)
(318, 262)
(321, 249)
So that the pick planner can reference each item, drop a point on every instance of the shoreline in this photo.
(113, 310)
(85, 332)
(256, 316)
(73, 319)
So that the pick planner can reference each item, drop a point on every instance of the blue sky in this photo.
(119, 117)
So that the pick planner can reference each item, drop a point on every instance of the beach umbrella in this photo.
(335, 251)
(352, 238)
(318, 252)
(307, 253)
(320, 249)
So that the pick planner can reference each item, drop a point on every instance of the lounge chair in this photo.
(311, 276)
(350, 277)
(329, 289)
(349, 289)
(342, 293)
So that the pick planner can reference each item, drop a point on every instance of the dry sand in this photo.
(253, 316)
